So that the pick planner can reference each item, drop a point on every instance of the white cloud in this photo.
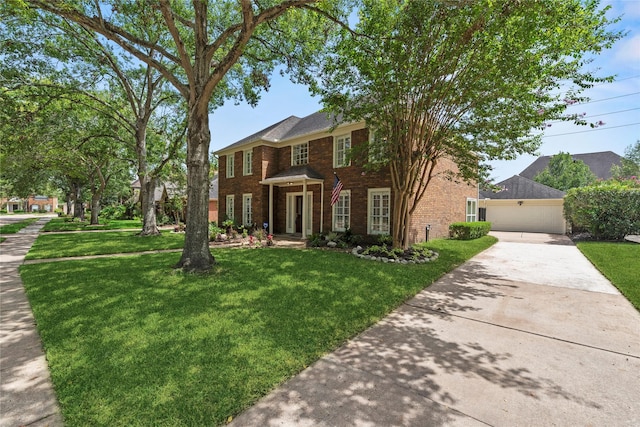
(628, 52)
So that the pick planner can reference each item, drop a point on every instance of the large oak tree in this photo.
(469, 81)
(218, 50)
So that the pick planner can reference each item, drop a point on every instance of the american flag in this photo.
(337, 188)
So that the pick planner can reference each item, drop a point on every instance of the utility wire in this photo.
(591, 130)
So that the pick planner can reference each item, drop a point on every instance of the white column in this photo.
(304, 209)
(321, 206)
(270, 208)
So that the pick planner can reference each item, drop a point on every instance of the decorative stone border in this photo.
(356, 251)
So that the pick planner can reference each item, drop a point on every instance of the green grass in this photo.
(80, 244)
(132, 342)
(17, 226)
(62, 224)
(620, 263)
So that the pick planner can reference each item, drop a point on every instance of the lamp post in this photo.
(426, 230)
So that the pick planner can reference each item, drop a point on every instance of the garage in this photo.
(524, 205)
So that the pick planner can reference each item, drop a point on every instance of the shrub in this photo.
(469, 230)
(608, 211)
(114, 212)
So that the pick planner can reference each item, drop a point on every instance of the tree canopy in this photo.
(565, 172)
(470, 81)
(630, 166)
(209, 52)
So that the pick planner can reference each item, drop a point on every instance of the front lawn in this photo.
(620, 263)
(80, 244)
(66, 224)
(132, 342)
(17, 226)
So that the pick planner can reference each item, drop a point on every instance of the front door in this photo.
(294, 212)
(298, 214)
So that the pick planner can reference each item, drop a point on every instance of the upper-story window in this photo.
(230, 166)
(341, 146)
(247, 164)
(376, 146)
(300, 154)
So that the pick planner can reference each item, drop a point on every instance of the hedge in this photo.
(469, 230)
(608, 212)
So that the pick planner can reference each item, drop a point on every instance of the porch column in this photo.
(304, 209)
(270, 208)
(321, 206)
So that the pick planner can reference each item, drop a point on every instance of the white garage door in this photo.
(531, 216)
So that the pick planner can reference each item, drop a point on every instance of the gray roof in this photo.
(599, 163)
(289, 128)
(298, 172)
(519, 187)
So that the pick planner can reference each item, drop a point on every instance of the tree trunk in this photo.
(95, 207)
(148, 206)
(196, 256)
(78, 211)
(147, 182)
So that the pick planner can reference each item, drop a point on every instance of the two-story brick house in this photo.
(265, 177)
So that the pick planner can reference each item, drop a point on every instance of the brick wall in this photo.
(444, 202)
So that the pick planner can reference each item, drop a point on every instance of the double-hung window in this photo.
(342, 211)
(341, 147)
(230, 166)
(472, 205)
(379, 210)
(300, 154)
(247, 217)
(230, 207)
(247, 166)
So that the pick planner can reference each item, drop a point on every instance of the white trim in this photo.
(230, 207)
(231, 165)
(290, 212)
(247, 219)
(471, 217)
(343, 193)
(371, 192)
(247, 166)
(293, 159)
(345, 139)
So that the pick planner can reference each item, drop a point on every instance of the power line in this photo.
(598, 115)
(592, 130)
(606, 99)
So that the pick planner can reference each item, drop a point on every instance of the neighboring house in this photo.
(599, 163)
(213, 199)
(165, 191)
(524, 205)
(31, 204)
(283, 176)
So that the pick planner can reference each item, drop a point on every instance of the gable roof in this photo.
(213, 188)
(600, 164)
(289, 128)
(519, 187)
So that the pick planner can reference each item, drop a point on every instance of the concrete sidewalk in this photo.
(26, 392)
(528, 333)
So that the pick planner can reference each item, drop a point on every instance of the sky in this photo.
(616, 104)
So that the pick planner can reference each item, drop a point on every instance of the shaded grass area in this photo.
(81, 244)
(62, 224)
(132, 342)
(620, 263)
(17, 226)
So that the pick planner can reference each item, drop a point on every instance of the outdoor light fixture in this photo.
(520, 202)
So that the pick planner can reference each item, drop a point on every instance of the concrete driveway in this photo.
(528, 333)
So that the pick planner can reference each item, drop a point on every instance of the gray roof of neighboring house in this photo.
(290, 127)
(600, 164)
(519, 187)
